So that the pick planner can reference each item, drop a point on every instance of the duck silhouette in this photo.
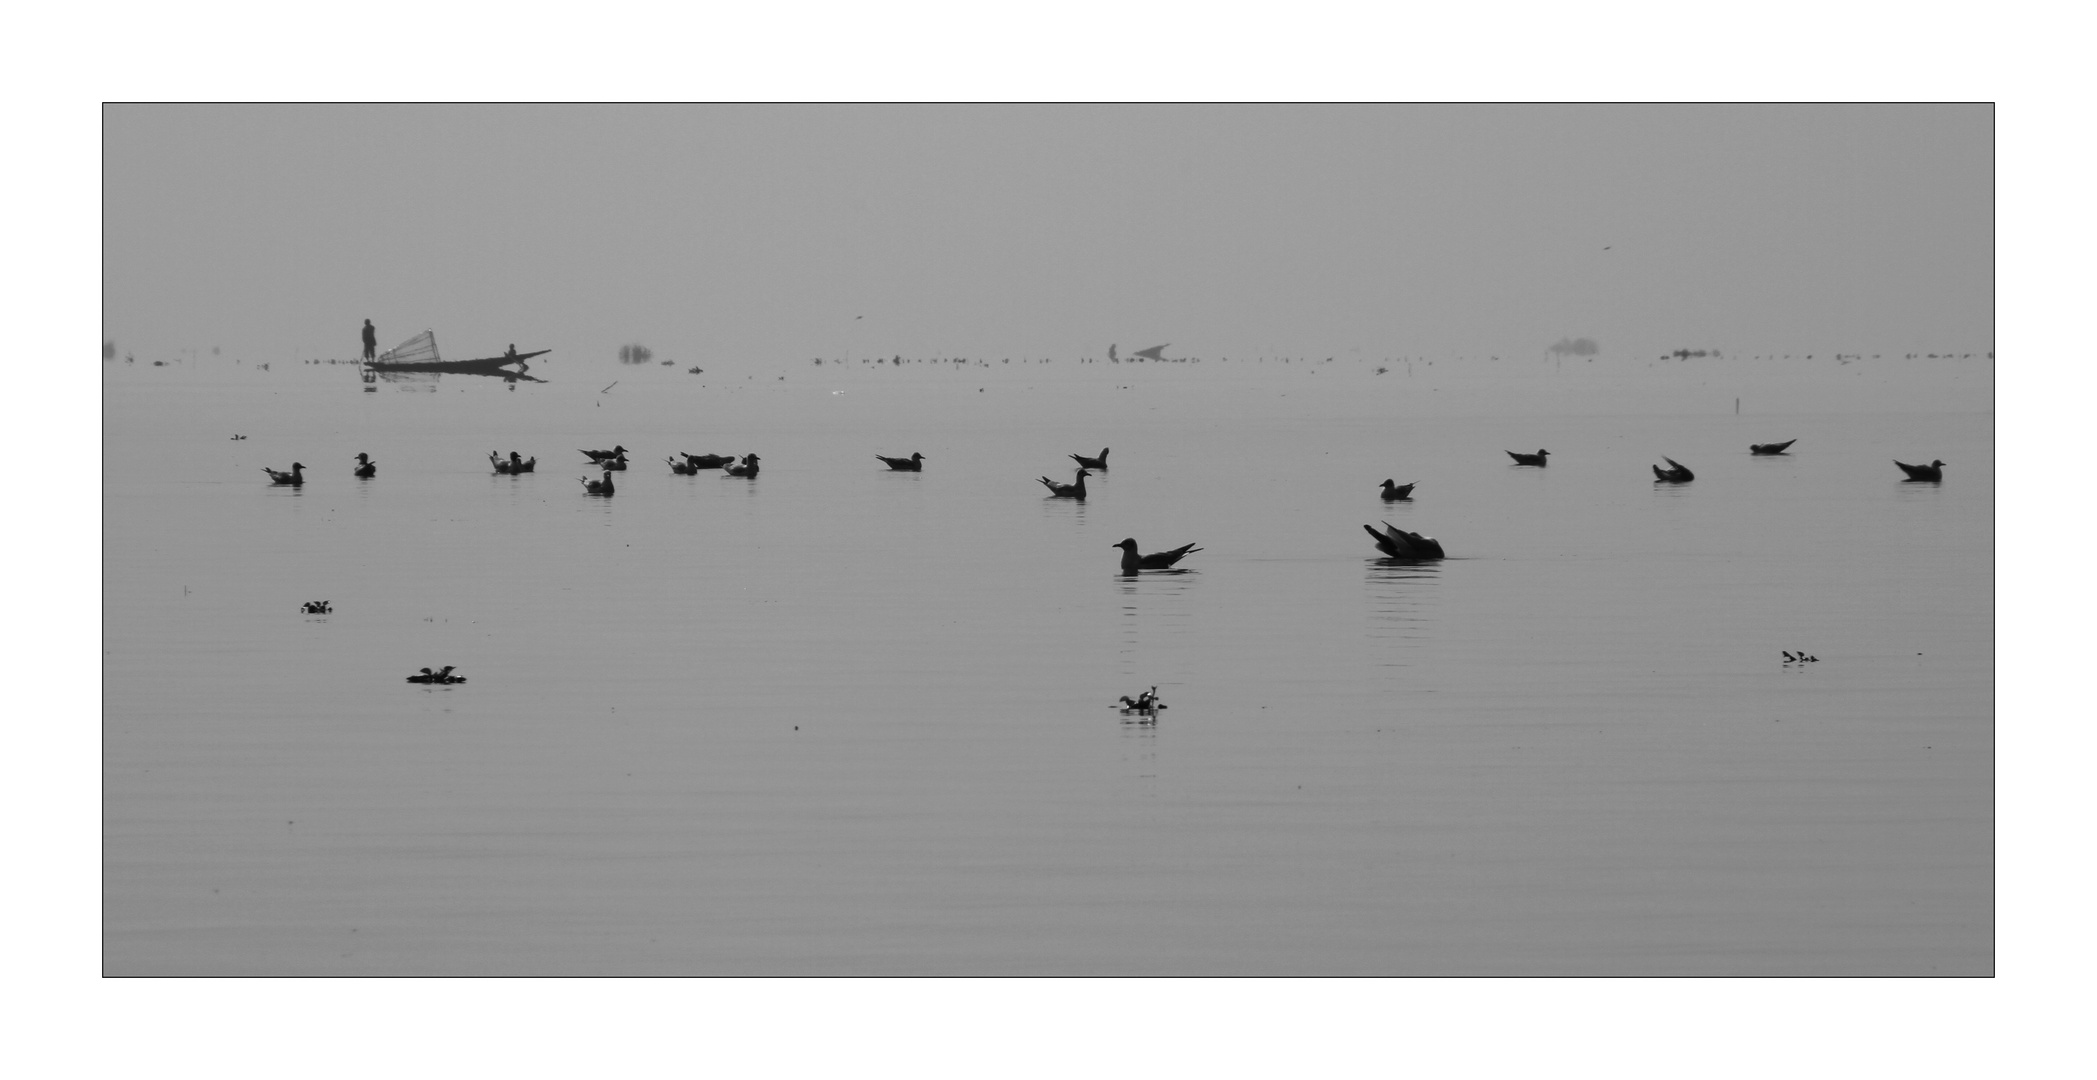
(1099, 462)
(747, 468)
(444, 675)
(1161, 560)
(1931, 473)
(1679, 474)
(515, 465)
(708, 461)
(914, 463)
(616, 463)
(427, 676)
(1399, 544)
(1770, 449)
(682, 468)
(295, 478)
(1393, 492)
(600, 455)
(367, 469)
(598, 487)
(1536, 459)
(316, 607)
(1073, 490)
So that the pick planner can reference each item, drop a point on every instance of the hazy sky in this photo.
(731, 233)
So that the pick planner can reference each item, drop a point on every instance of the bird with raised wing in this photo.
(914, 463)
(366, 468)
(1930, 473)
(1159, 560)
(1099, 462)
(1770, 449)
(1678, 474)
(1399, 544)
(1073, 490)
(1536, 459)
(294, 478)
(1394, 492)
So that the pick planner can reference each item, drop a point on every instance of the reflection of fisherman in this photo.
(371, 339)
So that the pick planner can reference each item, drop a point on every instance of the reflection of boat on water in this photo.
(419, 354)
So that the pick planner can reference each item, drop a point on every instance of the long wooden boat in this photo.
(419, 353)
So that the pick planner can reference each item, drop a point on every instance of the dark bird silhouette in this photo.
(1399, 544)
(1536, 459)
(1930, 473)
(1160, 560)
(427, 676)
(1099, 462)
(616, 463)
(1679, 474)
(516, 464)
(316, 607)
(445, 676)
(1073, 490)
(682, 468)
(1770, 449)
(367, 469)
(1397, 492)
(1146, 701)
(297, 476)
(600, 455)
(708, 461)
(747, 468)
(598, 487)
(914, 463)
(1788, 658)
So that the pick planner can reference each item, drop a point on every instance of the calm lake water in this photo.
(837, 720)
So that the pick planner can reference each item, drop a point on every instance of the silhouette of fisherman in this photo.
(512, 350)
(371, 340)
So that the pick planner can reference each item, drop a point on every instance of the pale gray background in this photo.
(767, 232)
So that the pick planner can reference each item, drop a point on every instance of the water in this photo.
(838, 720)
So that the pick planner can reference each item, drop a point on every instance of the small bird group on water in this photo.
(316, 607)
(1801, 658)
(442, 677)
(1145, 702)
(516, 464)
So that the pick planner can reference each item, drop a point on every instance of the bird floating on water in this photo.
(444, 677)
(1536, 459)
(747, 468)
(1160, 560)
(294, 478)
(1399, 544)
(1073, 490)
(366, 469)
(1930, 473)
(1801, 658)
(316, 607)
(598, 487)
(1394, 492)
(1770, 449)
(1146, 702)
(1099, 462)
(1678, 474)
(707, 461)
(600, 455)
(513, 466)
(914, 463)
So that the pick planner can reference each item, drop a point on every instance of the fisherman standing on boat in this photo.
(371, 340)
